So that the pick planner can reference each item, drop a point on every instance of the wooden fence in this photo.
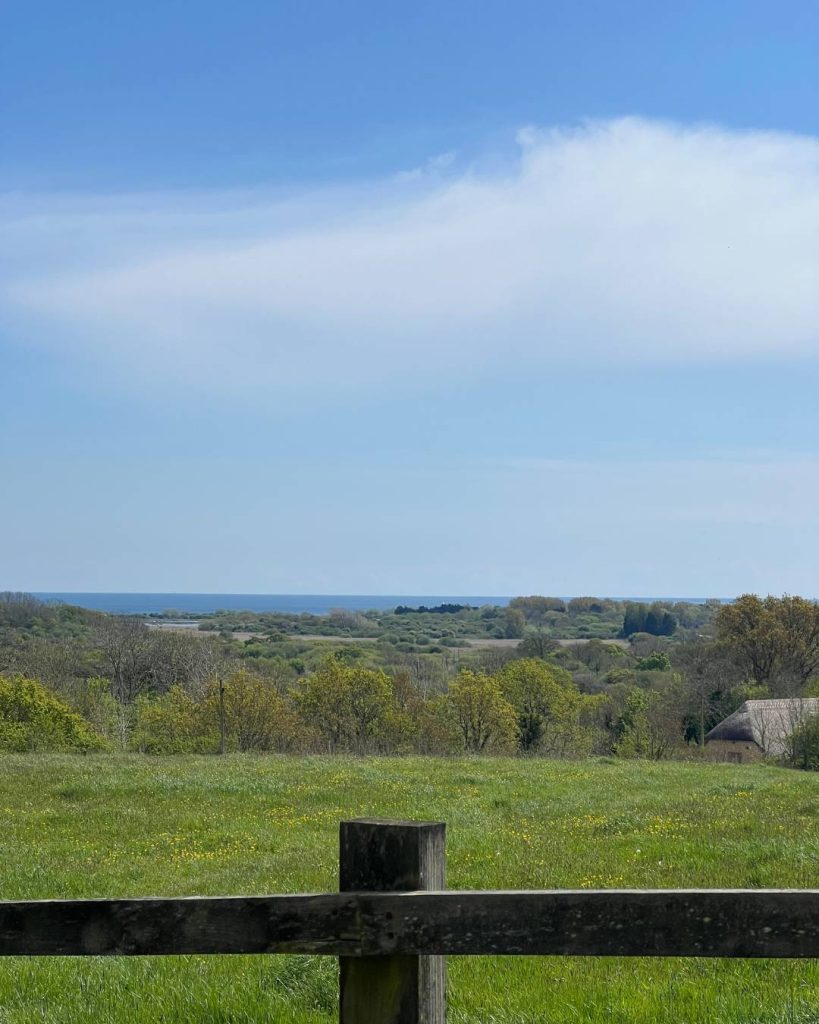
(393, 923)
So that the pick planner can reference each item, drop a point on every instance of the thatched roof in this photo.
(767, 723)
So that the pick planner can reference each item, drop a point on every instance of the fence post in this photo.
(392, 856)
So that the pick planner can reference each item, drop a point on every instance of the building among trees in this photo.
(761, 728)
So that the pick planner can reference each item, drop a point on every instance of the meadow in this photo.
(131, 826)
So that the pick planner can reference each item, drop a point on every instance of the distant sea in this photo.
(314, 604)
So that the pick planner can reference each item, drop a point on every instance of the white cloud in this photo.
(624, 241)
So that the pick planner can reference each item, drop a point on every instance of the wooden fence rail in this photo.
(393, 923)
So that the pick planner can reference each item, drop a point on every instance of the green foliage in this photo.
(256, 716)
(485, 718)
(348, 705)
(657, 661)
(620, 677)
(536, 609)
(23, 613)
(547, 706)
(173, 723)
(802, 749)
(118, 674)
(32, 718)
(650, 723)
(581, 605)
(93, 699)
(537, 643)
(514, 623)
(438, 609)
(775, 639)
(633, 733)
(655, 619)
(804, 745)
(436, 730)
(582, 617)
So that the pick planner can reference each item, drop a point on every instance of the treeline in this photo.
(595, 617)
(527, 707)
(163, 691)
(428, 626)
(438, 609)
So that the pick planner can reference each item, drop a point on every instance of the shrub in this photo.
(804, 745)
(657, 661)
(171, 724)
(32, 718)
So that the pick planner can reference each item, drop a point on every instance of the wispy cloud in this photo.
(618, 241)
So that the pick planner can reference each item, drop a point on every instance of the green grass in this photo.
(116, 826)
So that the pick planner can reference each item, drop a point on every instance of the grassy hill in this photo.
(117, 826)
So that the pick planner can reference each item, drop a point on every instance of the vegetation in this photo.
(90, 680)
(775, 641)
(105, 826)
(33, 718)
(653, 619)
(579, 618)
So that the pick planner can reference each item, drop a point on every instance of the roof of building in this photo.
(767, 723)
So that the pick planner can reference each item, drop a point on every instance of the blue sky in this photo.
(454, 298)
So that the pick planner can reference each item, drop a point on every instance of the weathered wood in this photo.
(697, 923)
(607, 922)
(259, 924)
(388, 857)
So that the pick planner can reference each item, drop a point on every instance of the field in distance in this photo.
(131, 826)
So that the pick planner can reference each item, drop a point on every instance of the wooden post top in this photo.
(394, 823)
(391, 856)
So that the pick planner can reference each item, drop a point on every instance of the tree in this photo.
(484, 717)
(346, 619)
(657, 661)
(514, 623)
(59, 662)
(650, 723)
(598, 655)
(804, 745)
(775, 640)
(655, 619)
(710, 680)
(634, 619)
(190, 659)
(93, 699)
(547, 705)
(799, 621)
(587, 605)
(256, 716)
(536, 609)
(749, 628)
(537, 643)
(124, 644)
(139, 660)
(348, 705)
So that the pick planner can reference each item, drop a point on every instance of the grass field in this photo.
(116, 826)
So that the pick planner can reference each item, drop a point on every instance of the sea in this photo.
(295, 604)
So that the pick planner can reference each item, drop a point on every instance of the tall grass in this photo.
(109, 826)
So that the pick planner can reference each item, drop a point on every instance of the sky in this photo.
(453, 298)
